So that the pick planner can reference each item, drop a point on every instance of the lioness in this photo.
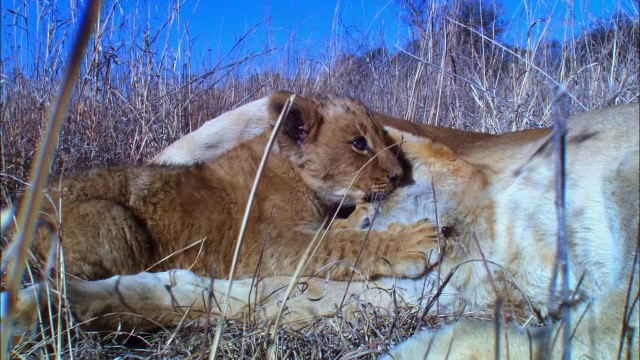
(506, 247)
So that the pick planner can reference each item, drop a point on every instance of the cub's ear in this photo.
(303, 120)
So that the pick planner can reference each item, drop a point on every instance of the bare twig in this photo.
(560, 115)
(245, 221)
(32, 200)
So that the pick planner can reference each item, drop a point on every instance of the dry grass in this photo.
(325, 338)
(133, 98)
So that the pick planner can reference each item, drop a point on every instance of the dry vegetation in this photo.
(136, 94)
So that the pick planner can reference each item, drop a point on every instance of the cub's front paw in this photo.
(412, 252)
(360, 218)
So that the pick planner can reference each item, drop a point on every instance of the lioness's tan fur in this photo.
(505, 215)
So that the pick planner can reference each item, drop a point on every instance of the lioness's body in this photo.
(506, 219)
(497, 193)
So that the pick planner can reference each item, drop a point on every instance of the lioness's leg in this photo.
(150, 300)
(100, 239)
(142, 301)
(217, 136)
(600, 330)
(597, 336)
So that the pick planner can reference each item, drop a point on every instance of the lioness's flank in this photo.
(500, 198)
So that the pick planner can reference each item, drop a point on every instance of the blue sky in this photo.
(219, 24)
(311, 23)
(308, 28)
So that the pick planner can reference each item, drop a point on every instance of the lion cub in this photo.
(131, 219)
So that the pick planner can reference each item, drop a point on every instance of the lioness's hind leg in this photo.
(101, 238)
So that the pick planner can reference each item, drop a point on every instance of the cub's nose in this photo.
(394, 176)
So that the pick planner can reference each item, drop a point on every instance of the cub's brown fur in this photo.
(127, 220)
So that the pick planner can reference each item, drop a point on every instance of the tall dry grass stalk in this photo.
(31, 202)
(245, 220)
(136, 93)
(561, 266)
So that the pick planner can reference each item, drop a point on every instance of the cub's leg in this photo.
(404, 251)
(100, 239)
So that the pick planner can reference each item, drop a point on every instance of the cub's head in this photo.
(334, 142)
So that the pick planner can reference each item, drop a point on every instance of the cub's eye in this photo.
(359, 143)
